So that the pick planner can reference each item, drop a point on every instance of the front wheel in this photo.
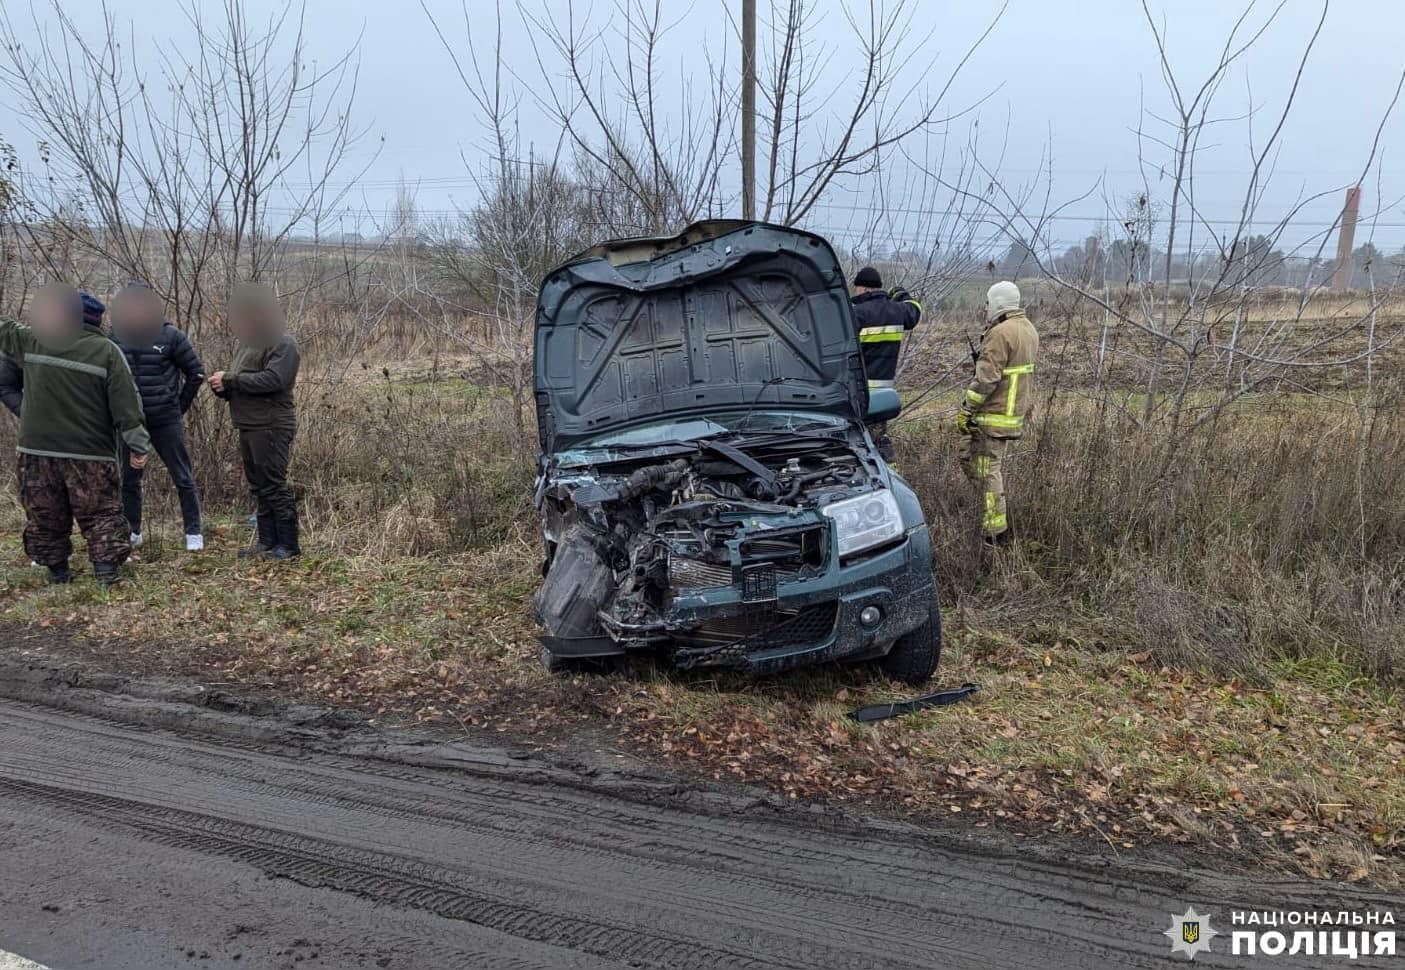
(553, 663)
(914, 655)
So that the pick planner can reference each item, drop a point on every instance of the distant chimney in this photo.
(1346, 238)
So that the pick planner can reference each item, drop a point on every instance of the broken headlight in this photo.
(864, 522)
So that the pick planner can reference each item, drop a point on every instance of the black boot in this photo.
(287, 546)
(267, 537)
(106, 573)
(1003, 539)
(59, 575)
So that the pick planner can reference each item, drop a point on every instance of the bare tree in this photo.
(188, 165)
(530, 215)
(1194, 314)
(645, 151)
(17, 268)
(670, 145)
(816, 136)
(660, 158)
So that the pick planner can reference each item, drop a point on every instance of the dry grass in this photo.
(1278, 538)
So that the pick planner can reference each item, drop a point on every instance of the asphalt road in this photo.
(159, 826)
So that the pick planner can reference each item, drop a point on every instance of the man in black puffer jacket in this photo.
(168, 373)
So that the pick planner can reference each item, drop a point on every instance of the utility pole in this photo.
(1346, 236)
(748, 109)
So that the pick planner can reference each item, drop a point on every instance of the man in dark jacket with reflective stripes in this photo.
(883, 320)
(168, 373)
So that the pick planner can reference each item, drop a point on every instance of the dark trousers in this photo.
(265, 455)
(55, 492)
(169, 442)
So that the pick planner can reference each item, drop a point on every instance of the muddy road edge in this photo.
(229, 713)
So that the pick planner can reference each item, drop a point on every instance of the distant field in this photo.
(1084, 346)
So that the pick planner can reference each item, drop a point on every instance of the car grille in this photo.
(790, 550)
(728, 641)
(790, 554)
(812, 624)
(696, 574)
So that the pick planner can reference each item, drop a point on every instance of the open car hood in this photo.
(728, 314)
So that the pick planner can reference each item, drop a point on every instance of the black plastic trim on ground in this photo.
(941, 698)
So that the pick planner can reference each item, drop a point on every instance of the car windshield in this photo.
(712, 425)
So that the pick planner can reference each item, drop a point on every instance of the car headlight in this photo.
(869, 520)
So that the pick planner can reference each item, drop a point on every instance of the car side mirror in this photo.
(883, 404)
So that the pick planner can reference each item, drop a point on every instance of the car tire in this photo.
(914, 655)
(553, 663)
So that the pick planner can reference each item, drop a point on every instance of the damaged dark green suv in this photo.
(707, 487)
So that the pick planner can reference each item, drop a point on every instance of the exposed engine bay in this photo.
(637, 537)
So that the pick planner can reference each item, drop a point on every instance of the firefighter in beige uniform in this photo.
(993, 411)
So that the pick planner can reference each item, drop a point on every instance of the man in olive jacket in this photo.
(997, 402)
(259, 388)
(12, 376)
(79, 399)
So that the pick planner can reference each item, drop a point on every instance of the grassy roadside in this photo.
(1074, 733)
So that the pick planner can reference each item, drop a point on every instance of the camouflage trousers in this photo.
(983, 461)
(57, 491)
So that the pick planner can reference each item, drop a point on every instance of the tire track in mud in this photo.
(537, 862)
(420, 884)
(383, 878)
(481, 812)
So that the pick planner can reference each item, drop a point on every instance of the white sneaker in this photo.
(194, 543)
(136, 539)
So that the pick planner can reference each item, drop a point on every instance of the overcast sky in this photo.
(1068, 78)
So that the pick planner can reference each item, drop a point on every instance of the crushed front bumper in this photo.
(854, 610)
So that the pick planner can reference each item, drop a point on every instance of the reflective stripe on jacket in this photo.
(882, 322)
(999, 396)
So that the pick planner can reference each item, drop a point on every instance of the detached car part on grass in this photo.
(707, 487)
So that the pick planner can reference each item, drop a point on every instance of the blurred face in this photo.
(137, 313)
(254, 315)
(56, 315)
(247, 323)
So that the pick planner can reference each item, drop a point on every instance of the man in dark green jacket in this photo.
(79, 398)
(259, 388)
